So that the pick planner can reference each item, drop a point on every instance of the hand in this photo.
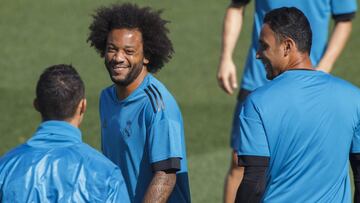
(226, 76)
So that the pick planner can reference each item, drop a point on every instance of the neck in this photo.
(301, 61)
(124, 91)
(74, 121)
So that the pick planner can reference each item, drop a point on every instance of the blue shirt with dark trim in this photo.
(307, 122)
(56, 166)
(318, 13)
(141, 130)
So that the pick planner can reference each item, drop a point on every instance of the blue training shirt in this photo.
(56, 166)
(307, 122)
(143, 129)
(318, 13)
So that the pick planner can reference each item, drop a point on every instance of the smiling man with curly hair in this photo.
(141, 123)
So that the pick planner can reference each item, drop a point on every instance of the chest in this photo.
(126, 124)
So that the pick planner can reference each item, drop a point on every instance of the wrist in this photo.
(226, 57)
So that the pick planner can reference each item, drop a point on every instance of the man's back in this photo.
(55, 166)
(309, 120)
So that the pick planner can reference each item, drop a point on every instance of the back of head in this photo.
(58, 92)
(292, 23)
(157, 46)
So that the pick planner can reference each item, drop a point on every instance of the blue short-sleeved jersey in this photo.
(318, 13)
(307, 122)
(56, 166)
(144, 128)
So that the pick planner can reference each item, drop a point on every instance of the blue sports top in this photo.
(307, 122)
(143, 129)
(56, 166)
(318, 13)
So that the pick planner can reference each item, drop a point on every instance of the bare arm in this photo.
(338, 39)
(160, 188)
(232, 27)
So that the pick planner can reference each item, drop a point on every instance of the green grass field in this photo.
(37, 34)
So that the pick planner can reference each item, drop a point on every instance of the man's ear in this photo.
(289, 45)
(82, 106)
(36, 105)
(145, 61)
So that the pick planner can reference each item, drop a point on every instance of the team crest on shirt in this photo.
(127, 130)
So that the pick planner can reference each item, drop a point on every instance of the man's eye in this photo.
(110, 49)
(263, 46)
(130, 52)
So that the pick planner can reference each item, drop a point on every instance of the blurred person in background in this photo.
(141, 124)
(55, 165)
(323, 55)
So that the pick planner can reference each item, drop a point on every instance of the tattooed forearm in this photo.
(160, 187)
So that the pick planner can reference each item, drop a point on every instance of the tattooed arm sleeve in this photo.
(160, 187)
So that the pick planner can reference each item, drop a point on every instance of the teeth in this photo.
(117, 67)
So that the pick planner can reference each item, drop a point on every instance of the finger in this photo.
(233, 81)
(227, 86)
(220, 83)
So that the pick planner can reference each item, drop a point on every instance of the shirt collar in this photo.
(134, 93)
(55, 133)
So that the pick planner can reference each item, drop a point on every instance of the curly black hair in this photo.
(157, 46)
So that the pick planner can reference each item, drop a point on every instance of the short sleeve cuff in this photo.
(355, 157)
(171, 164)
(249, 160)
(344, 17)
(239, 3)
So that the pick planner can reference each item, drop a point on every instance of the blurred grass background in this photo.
(37, 34)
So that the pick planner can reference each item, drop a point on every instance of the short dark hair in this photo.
(291, 22)
(157, 46)
(58, 92)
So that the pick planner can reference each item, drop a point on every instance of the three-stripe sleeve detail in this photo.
(154, 94)
(156, 98)
(151, 100)
(161, 99)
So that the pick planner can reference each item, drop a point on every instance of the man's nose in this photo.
(119, 57)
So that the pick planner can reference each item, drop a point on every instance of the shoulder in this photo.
(13, 154)
(272, 92)
(106, 92)
(266, 91)
(338, 80)
(93, 157)
(107, 100)
(159, 97)
(343, 85)
(15, 151)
